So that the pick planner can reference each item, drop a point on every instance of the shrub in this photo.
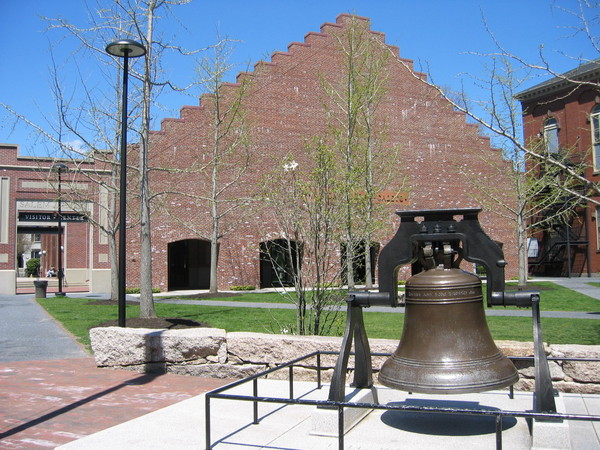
(137, 290)
(32, 267)
(248, 287)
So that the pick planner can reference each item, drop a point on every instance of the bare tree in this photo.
(487, 112)
(305, 204)
(544, 192)
(78, 138)
(94, 121)
(138, 19)
(358, 133)
(549, 187)
(219, 167)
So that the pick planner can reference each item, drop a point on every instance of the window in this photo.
(4, 205)
(533, 248)
(551, 135)
(597, 228)
(595, 119)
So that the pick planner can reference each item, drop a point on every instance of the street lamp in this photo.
(60, 168)
(124, 48)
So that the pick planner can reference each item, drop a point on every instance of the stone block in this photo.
(212, 352)
(581, 371)
(556, 371)
(278, 349)
(117, 346)
(515, 348)
(302, 374)
(220, 371)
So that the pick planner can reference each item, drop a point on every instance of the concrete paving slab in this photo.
(28, 332)
(584, 435)
(181, 425)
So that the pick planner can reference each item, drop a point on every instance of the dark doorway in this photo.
(278, 263)
(189, 264)
(359, 261)
(38, 242)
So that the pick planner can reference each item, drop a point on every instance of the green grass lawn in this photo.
(553, 298)
(79, 315)
(248, 297)
(558, 298)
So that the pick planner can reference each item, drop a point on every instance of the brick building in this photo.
(284, 107)
(564, 112)
(28, 207)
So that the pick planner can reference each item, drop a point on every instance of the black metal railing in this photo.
(499, 414)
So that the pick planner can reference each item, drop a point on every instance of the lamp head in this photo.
(60, 167)
(126, 48)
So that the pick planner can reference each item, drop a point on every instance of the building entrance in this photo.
(189, 264)
(37, 243)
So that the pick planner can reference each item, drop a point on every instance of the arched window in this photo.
(551, 135)
(595, 119)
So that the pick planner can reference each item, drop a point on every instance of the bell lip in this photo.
(478, 374)
(455, 389)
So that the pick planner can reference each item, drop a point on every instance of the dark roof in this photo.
(585, 72)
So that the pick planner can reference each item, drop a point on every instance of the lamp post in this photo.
(43, 262)
(124, 48)
(60, 168)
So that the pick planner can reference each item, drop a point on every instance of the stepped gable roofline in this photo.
(341, 20)
(240, 77)
(585, 72)
(179, 119)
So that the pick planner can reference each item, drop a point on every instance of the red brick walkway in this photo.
(44, 404)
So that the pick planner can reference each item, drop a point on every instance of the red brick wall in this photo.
(284, 108)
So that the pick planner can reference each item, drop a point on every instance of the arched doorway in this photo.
(278, 263)
(189, 264)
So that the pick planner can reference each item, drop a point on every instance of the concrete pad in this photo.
(181, 426)
(325, 421)
(547, 435)
(584, 435)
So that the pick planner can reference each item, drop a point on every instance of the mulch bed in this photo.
(169, 323)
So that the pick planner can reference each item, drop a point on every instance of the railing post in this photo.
(291, 378)
(207, 421)
(255, 402)
(499, 432)
(341, 427)
(319, 370)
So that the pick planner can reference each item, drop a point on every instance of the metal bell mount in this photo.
(446, 346)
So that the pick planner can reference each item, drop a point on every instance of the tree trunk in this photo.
(368, 265)
(523, 252)
(214, 260)
(114, 264)
(214, 239)
(146, 298)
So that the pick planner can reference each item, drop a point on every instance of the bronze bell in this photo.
(446, 345)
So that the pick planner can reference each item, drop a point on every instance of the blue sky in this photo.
(435, 33)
